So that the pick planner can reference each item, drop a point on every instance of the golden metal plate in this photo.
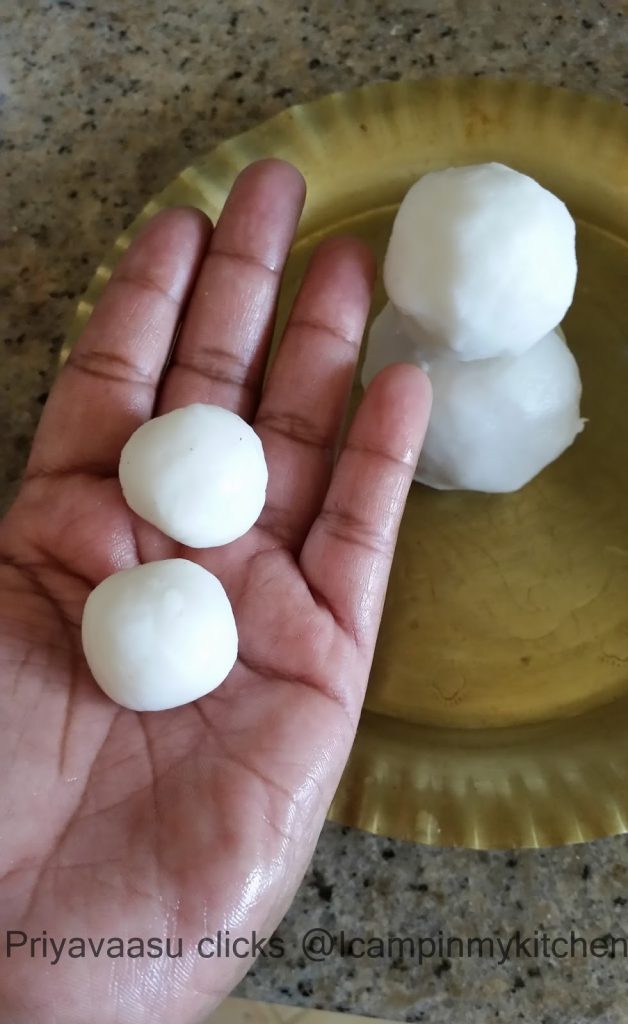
(497, 710)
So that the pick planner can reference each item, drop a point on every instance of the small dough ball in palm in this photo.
(481, 260)
(198, 474)
(159, 635)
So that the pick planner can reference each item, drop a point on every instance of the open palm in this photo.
(186, 822)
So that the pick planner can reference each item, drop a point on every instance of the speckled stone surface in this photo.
(100, 105)
(364, 886)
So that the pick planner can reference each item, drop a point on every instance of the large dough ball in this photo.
(495, 423)
(390, 342)
(159, 635)
(197, 473)
(481, 260)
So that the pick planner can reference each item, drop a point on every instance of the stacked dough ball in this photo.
(480, 269)
(163, 634)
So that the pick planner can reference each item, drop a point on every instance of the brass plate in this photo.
(497, 708)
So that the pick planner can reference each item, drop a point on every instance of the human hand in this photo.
(184, 822)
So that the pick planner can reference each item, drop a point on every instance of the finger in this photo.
(306, 396)
(107, 387)
(347, 555)
(221, 353)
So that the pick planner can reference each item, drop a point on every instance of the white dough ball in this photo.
(481, 260)
(159, 635)
(197, 473)
(495, 423)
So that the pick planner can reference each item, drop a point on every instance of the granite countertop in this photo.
(100, 105)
